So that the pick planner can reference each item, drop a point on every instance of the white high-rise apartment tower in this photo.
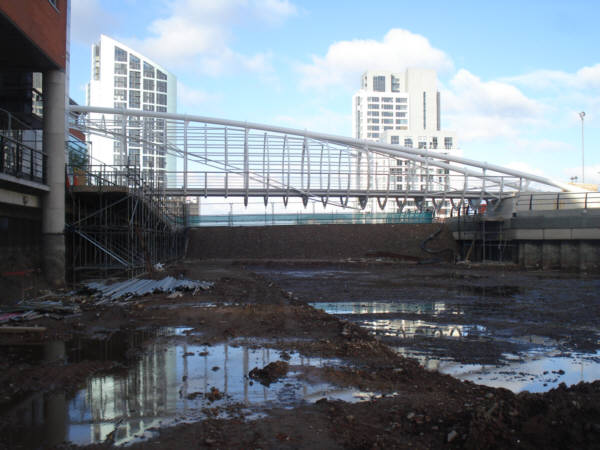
(404, 109)
(123, 78)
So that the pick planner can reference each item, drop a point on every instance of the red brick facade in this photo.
(44, 25)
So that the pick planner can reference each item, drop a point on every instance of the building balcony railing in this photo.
(20, 150)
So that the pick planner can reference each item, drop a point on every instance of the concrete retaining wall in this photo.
(565, 255)
(317, 241)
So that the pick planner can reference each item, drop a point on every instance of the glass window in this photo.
(434, 143)
(388, 128)
(396, 140)
(373, 99)
(372, 113)
(148, 97)
(388, 120)
(387, 114)
(134, 62)
(387, 106)
(379, 84)
(401, 99)
(387, 99)
(408, 142)
(373, 105)
(134, 79)
(400, 114)
(119, 105)
(447, 142)
(160, 75)
(120, 54)
(161, 99)
(161, 109)
(372, 120)
(148, 70)
(134, 99)
(401, 107)
(120, 82)
(121, 95)
(161, 86)
(120, 68)
(148, 85)
(395, 84)
(401, 121)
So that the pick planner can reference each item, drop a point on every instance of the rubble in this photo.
(137, 287)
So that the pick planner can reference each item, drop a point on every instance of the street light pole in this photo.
(582, 115)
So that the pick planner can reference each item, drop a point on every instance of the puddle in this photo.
(540, 367)
(174, 382)
(407, 329)
(384, 307)
(535, 371)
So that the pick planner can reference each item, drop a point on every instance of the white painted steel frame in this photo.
(236, 149)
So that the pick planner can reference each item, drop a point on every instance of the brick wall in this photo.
(316, 241)
(45, 25)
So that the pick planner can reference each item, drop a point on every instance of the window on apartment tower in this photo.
(395, 84)
(134, 62)
(148, 70)
(408, 142)
(134, 80)
(379, 84)
(120, 55)
(161, 86)
(395, 140)
(448, 143)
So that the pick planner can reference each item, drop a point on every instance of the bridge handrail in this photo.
(357, 144)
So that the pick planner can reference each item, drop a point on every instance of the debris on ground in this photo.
(270, 373)
(137, 287)
(32, 310)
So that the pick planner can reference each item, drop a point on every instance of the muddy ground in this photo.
(415, 408)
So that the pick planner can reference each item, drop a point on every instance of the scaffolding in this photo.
(118, 224)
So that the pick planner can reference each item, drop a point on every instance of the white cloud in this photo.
(275, 11)
(321, 120)
(190, 99)
(525, 167)
(345, 61)
(89, 20)
(197, 34)
(585, 78)
(488, 109)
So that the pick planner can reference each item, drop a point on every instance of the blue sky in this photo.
(513, 74)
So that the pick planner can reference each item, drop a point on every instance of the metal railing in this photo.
(233, 220)
(20, 149)
(547, 201)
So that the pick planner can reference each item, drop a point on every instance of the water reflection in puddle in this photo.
(431, 308)
(534, 371)
(175, 382)
(538, 369)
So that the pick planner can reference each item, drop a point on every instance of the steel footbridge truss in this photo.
(226, 158)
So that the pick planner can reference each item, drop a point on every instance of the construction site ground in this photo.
(257, 303)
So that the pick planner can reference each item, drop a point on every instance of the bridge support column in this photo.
(53, 208)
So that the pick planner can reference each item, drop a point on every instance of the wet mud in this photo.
(355, 354)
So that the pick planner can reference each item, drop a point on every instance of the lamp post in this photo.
(582, 115)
